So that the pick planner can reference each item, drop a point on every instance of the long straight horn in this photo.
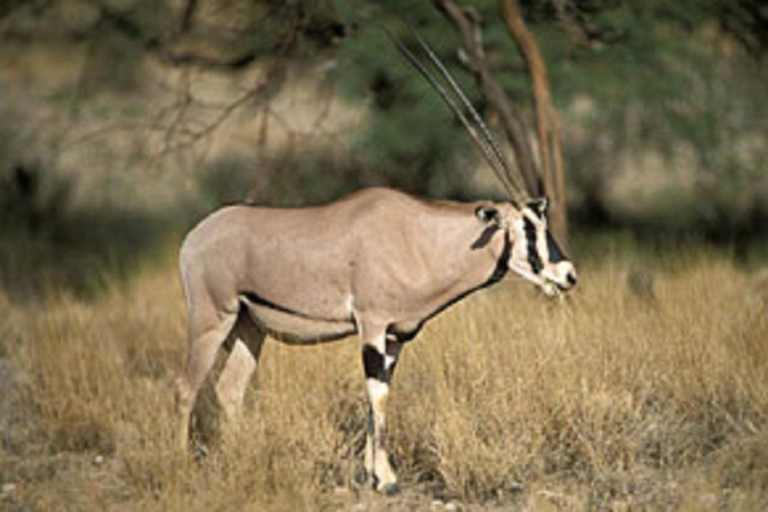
(489, 154)
(514, 177)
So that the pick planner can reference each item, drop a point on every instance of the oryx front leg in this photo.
(379, 358)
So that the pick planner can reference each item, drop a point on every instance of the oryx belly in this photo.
(292, 327)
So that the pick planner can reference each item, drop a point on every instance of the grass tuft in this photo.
(655, 400)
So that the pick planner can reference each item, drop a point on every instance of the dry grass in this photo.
(612, 402)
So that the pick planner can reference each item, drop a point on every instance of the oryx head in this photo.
(534, 253)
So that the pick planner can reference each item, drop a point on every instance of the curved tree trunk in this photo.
(467, 22)
(547, 123)
(542, 177)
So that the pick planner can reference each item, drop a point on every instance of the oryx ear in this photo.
(488, 215)
(539, 206)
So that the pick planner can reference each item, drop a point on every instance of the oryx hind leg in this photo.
(247, 340)
(379, 359)
(208, 329)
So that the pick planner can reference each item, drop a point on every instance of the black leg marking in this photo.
(371, 421)
(393, 351)
(391, 370)
(373, 362)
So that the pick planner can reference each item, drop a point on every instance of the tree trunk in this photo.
(468, 23)
(547, 123)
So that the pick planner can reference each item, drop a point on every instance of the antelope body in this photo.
(377, 257)
(378, 264)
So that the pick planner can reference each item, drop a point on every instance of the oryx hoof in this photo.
(361, 476)
(199, 454)
(390, 490)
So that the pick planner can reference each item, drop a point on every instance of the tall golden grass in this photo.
(610, 401)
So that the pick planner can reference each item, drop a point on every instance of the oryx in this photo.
(378, 264)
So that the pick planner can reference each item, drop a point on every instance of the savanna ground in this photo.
(644, 391)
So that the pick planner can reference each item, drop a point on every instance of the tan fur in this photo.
(378, 263)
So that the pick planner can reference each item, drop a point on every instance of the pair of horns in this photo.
(510, 180)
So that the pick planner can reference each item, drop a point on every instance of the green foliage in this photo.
(674, 79)
(683, 80)
(663, 77)
(287, 178)
(411, 139)
(433, 156)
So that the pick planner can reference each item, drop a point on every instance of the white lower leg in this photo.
(369, 449)
(183, 410)
(377, 459)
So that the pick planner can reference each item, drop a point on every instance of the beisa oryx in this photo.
(378, 263)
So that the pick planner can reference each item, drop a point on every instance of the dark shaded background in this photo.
(123, 122)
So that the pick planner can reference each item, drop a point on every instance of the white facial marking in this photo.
(561, 274)
(554, 277)
(522, 271)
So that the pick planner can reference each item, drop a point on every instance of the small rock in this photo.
(451, 507)
(361, 476)
(98, 460)
(436, 505)
(391, 490)
(8, 488)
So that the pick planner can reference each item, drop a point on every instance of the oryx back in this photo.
(259, 258)
(306, 274)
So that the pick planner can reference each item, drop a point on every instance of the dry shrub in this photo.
(595, 403)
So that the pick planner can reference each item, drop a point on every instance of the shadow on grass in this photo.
(48, 245)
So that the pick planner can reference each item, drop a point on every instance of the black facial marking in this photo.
(502, 264)
(533, 254)
(537, 206)
(555, 254)
(373, 362)
(484, 237)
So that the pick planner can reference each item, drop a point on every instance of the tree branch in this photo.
(547, 123)
(467, 21)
